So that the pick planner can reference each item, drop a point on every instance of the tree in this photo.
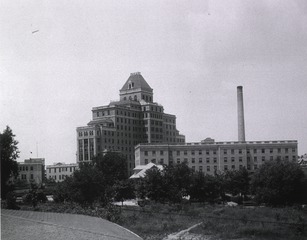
(9, 154)
(124, 190)
(205, 188)
(237, 182)
(113, 167)
(170, 184)
(279, 183)
(94, 181)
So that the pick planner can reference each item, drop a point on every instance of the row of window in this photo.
(24, 176)
(25, 168)
(61, 177)
(225, 151)
(62, 169)
(86, 133)
(103, 113)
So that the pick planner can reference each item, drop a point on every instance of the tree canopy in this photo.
(95, 181)
(9, 154)
(279, 182)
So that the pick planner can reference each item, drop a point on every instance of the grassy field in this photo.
(156, 221)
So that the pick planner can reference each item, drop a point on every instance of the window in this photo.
(207, 160)
(225, 167)
(232, 159)
(153, 152)
(55, 170)
(207, 152)
(215, 168)
(255, 166)
(31, 168)
(193, 160)
(178, 160)
(225, 151)
(225, 159)
(232, 151)
(185, 152)
(240, 151)
(263, 159)
(255, 159)
(200, 168)
(193, 168)
(146, 153)
(200, 160)
(49, 170)
(233, 167)
(255, 150)
(208, 168)
(286, 150)
(263, 150)
(240, 159)
(153, 160)
(161, 161)
(32, 176)
(146, 161)
(193, 152)
(200, 152)
(214, 152)
(271, 150)
(178, 153)
(161, 152)
(214, 160)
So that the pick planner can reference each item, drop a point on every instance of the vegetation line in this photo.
(217, 218)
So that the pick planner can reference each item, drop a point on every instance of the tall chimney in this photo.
(241, 128)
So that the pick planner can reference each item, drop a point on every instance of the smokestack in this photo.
(241, 128)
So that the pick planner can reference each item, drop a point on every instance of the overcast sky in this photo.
(58, 59)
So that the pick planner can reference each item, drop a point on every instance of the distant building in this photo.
(32, 170)
(302, 161)
(121, 125)
(59, 171)
(140, 170)
(209, 156)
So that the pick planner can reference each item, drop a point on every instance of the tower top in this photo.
(136, 81)
(136, 88)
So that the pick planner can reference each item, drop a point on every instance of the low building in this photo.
(59, 171)
(140, 170)
(209, 156)
(32, 170)
(302, 161)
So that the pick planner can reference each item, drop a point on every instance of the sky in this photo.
(58, 59)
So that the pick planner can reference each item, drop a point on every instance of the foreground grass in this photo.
(155, 221)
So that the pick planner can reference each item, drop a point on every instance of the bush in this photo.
(11, 201)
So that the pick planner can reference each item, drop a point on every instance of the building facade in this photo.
(32, 170)
(59, 171)
(121, 125)
(209, 156)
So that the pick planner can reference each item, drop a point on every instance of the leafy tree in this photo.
(9, 153)
(124, 190)
(113, 167)
(94, 181)
(170, 184)
(154, 185)
(237, 182)
(205, 188)
(279, 182)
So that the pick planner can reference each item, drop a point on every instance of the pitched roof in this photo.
(138, 82)
(140, 170)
